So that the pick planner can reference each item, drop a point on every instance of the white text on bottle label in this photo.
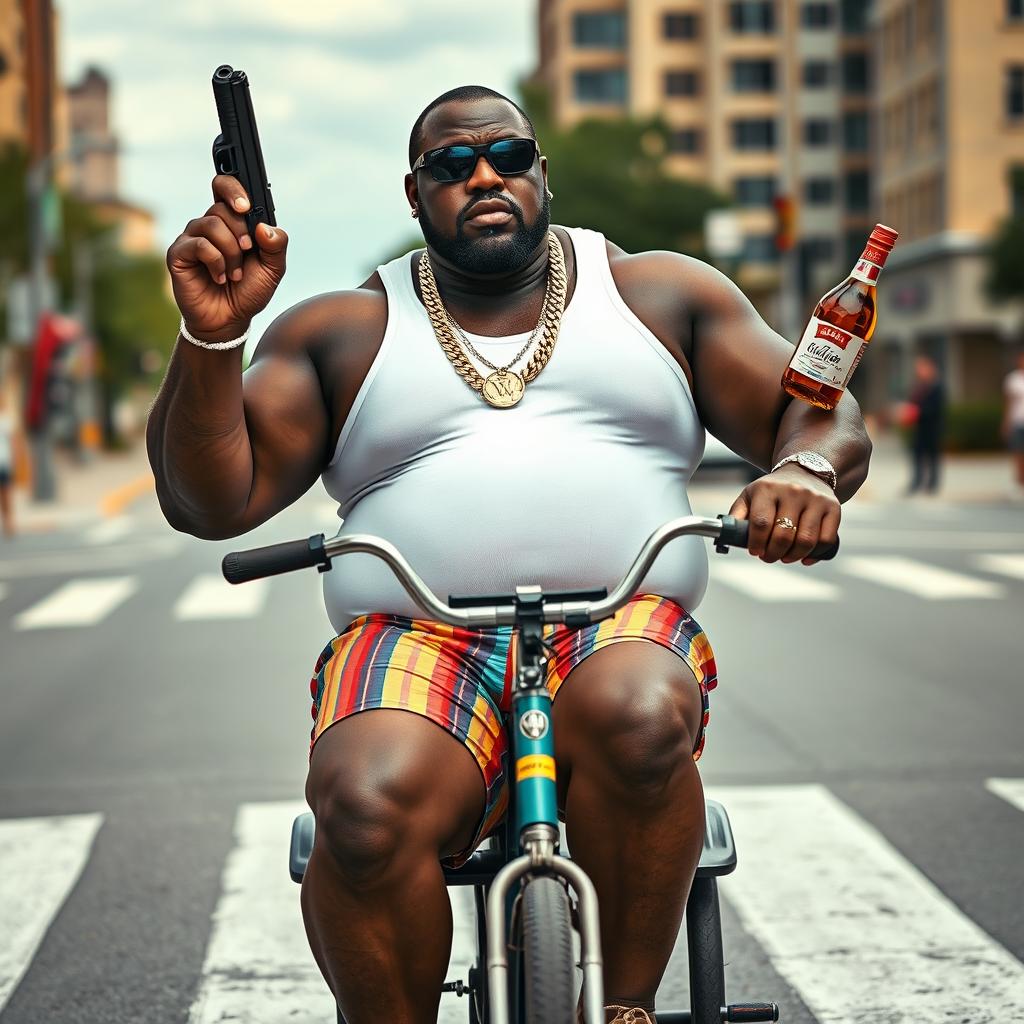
(826, 353)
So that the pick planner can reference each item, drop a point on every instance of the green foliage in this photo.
(13, 207)
(974, 426)
(1005, 278)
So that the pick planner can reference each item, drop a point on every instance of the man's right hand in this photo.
(219, 283)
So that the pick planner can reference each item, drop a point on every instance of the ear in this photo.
(412, 192)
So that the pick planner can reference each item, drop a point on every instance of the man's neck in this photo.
(465, 290)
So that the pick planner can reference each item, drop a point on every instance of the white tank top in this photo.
(559, 490)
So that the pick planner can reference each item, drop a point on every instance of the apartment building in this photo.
(908, 112)
(763, 98)
(950, 102)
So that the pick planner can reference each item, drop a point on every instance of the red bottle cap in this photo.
(884, 237)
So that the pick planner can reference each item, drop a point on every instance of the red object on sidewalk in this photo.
(53, 333)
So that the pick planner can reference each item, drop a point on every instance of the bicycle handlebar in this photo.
(256, 563)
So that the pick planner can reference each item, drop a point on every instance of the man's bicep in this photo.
(288, 425)
(738, 362)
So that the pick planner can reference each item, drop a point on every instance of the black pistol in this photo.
(237, 150)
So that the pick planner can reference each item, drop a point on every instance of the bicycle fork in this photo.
(535, 799)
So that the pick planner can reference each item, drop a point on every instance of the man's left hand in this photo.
(790, 493)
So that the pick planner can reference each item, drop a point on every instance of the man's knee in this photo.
(633, 721)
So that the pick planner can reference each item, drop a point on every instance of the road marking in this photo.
(78, 603)
(41, 859)
(210, 596)
(927, 581)
(1002, 565)
(259, 967)
(109, 530)
(1011, 790)
(92, 559)
(855, 928)
(770, 582)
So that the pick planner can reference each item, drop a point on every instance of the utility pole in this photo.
(40, 85)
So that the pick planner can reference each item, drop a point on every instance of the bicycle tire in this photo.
(547, 961)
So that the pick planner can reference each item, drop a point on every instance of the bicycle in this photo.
(524, 910)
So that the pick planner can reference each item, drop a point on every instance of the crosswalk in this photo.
(844, 918)
(985, 576)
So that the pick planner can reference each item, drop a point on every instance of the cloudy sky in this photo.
(335, 86)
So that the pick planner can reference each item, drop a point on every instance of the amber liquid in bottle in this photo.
(839, 330)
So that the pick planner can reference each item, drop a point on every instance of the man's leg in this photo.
(392, 794)
(625, 722)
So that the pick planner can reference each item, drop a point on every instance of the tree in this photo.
(1005, 278)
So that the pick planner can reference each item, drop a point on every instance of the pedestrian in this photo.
(6, 465)
(927, 412)
(1013, 421)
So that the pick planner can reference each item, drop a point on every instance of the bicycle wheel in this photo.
(546, 960)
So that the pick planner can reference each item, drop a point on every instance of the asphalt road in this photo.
(864, 736)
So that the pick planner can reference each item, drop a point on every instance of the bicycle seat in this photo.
(718, 857)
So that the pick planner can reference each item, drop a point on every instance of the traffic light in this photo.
(785, 223)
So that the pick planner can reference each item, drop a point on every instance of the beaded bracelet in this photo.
(215, 345)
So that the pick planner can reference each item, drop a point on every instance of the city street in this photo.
(865, 737)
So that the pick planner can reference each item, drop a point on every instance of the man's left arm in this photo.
(738, 362)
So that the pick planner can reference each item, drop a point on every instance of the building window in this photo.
(819, 191)
(680, 26)
(854, 16)
(752, 16)
(857, 189)
(753, 75)
(855, 72)
(817, 131)
(855, 131)
(1015, 10)
(817, 15)
(685, 140)
(607, 85)
(817, 73)
(601, 29)
(1015, 92)
(754, 133)
(818, 249)
(682, 83)
(760, 249)
(759, 191)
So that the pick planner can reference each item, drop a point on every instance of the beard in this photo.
(490, 252)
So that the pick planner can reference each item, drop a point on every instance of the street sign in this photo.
(19, 328)
(722, 234)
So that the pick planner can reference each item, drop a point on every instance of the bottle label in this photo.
(869, 266)
(826, 353)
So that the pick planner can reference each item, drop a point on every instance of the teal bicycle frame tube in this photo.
(533, 759)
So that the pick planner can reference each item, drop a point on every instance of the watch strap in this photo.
(828, 475)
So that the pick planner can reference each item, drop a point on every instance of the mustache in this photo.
(513, 207)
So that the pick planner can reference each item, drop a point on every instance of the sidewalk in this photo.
(104, 486)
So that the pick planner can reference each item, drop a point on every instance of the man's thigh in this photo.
(628, 690)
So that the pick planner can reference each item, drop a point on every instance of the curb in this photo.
(116, 501)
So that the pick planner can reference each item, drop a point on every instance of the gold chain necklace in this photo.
(503, 388)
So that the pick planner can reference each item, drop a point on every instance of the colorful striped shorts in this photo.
(461, 678)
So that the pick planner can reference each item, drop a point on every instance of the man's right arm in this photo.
(230, 450)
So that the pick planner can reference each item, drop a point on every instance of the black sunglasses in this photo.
(456, 163)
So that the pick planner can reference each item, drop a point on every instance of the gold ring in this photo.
(785, 522)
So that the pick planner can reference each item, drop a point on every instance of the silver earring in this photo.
(414, 212)
(551, 195)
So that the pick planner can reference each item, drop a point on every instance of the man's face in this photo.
(446, 209)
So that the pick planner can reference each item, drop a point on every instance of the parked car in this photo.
(720, 459)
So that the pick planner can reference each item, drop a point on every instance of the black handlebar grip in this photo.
(736, 533)
(241, 566)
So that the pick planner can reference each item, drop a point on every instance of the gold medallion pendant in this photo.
(504, 388)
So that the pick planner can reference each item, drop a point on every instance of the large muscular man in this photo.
(514, 403)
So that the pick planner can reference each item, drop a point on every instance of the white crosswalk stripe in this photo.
(858, 931)
(1011, 790)
(918, 578)
(210, 596)
(771, 582)
(40, 862)
(1011, 564)
(78, 603)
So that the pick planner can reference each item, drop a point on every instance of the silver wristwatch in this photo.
(813, 463)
